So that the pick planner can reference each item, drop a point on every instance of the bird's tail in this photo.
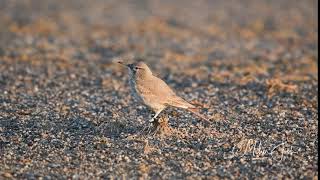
(196, 112)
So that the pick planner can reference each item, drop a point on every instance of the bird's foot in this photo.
(147, 129)
(151, 120)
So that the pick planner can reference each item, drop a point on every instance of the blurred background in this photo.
(175, 31)
(66, 109)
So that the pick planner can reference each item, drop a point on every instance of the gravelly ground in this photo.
(66, 110)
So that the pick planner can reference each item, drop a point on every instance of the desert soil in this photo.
(65, 105)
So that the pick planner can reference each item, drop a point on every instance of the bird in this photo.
(154, 92)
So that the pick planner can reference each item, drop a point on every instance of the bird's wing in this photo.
(158, 90)
(167, 95)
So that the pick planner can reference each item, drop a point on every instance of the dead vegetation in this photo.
(276, 85)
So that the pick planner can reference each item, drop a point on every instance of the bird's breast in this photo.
(134, 89)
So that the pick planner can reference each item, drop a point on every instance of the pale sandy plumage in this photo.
(154, 92)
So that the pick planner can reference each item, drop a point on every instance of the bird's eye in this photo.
(136, 68)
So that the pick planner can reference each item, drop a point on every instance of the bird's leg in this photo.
(156, 115)
(148, 128)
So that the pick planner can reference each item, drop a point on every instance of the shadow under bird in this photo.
(154, 92)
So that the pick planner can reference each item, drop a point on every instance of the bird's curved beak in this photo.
(122, 63)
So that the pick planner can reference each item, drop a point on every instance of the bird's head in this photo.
(138, 68)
